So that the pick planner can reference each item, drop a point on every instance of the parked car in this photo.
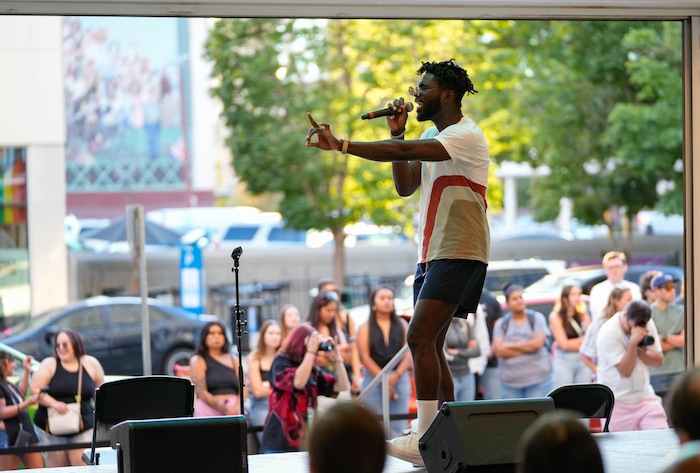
(521, 272)
(111, 331)
(589, 276)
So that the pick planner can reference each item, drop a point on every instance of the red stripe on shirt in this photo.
(440, 184)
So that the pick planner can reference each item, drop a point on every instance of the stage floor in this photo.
(623, 452)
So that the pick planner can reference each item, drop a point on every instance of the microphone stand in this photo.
(236, 255)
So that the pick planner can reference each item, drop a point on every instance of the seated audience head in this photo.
(558, 442)
(347, 438)
(683, 405)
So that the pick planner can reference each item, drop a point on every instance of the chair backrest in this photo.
(591, 400)
(140, 398)
(144, 397)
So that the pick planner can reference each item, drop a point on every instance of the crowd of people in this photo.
(298, 361)
(625, 341)
(298, 364)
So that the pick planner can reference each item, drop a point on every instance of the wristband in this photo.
(399, 136)
(344, 149)
(314, 353)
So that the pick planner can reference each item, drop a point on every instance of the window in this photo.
(88, 318)
(242, 233)
(285, 234)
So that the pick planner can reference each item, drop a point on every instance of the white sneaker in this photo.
(406, 448)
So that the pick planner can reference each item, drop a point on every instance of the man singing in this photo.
(449, 163)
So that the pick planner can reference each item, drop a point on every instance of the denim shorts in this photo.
(451, 280)
(48, 439)
(3, 438)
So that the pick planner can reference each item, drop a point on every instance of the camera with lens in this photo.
(646, 341)
(328, 346)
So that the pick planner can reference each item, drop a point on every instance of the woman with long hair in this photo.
(58, 378)
(378, 341)
(323, 317)
(213, 370)
(289, 318)
(568, 323)
(346, 324)
(619, 297)
(296, 382)
(14, 417)
(259, 366)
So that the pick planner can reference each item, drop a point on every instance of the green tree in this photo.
(600, 104)
(270, 72)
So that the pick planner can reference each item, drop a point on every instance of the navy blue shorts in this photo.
(451, 280)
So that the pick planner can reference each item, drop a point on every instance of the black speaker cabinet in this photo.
(479, 436)
(181, 445)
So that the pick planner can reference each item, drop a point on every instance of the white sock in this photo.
(427, 411)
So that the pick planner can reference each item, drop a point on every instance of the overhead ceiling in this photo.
(486, 9)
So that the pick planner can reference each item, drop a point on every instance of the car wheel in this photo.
(180, 356)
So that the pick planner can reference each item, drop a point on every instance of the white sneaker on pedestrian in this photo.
(406, 448)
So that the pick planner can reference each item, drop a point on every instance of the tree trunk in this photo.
(339, 257)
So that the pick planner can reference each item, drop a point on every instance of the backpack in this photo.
(548, 337)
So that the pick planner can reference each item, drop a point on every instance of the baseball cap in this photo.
(664, 278)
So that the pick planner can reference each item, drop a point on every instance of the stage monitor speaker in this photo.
(479, 436)
(181, 445)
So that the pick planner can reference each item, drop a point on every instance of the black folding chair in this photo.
(591, 400)
(138, 398)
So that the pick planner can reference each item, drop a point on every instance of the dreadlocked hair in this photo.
(451, 76)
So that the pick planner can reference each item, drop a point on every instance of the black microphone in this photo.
(385, 112)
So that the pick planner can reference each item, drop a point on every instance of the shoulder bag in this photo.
(71, 422)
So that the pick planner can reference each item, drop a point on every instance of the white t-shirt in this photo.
(612, 345)
(600, 293)
(453, 223)
(477, 323)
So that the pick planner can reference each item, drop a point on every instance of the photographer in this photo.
(627, 345)
(295, 384)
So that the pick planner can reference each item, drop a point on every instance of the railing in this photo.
(383, 377)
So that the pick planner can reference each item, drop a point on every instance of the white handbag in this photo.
(72, 421)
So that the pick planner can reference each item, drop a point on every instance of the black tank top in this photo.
(63, 387)
(380, 352)
(220, 378)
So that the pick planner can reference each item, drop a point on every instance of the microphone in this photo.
(385, 112)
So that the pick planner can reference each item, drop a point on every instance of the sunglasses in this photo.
(669, 286)
(62, 344)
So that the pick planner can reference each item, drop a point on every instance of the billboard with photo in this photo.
(125, 82)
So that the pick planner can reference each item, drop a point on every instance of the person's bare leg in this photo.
(33, 460)
(57, 458)
(446, 391)
(428, 327)
(76, 457)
